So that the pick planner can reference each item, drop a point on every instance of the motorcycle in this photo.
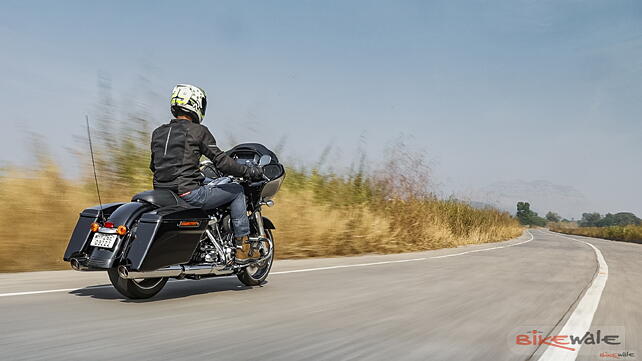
(157, 236)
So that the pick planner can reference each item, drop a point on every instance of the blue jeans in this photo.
(210, 197)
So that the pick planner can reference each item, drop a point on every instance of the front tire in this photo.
(255, 275)
(136, 288)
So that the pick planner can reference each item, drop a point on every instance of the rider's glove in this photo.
(254, 173)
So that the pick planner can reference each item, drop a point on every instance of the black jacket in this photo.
(176, 151)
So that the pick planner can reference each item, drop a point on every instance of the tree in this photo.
(553, 217)
(523, 212)
(528, 217)
(618, 219)
(590, 219)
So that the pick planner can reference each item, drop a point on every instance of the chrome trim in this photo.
(268, 203)
(171, 271)
(219, 249)
(259, 222)
(266, 257)
(106, 230)
(80, 264)
(176, 271)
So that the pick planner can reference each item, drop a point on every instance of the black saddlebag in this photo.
(166, 236)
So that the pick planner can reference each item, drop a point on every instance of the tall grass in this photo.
(619, 233)
(316, 214)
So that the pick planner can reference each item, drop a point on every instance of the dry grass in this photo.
(36, 219)
(316, 215)
(618, 233)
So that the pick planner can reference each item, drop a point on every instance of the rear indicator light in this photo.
(188, 224)
(94, 227)
(121, 230)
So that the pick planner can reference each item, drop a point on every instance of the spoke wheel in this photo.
(256, 273)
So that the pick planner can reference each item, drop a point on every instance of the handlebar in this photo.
(256, 184)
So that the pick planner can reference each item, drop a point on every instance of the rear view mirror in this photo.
(273, 171)
(265, 160)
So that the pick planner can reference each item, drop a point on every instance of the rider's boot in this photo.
(242, 253)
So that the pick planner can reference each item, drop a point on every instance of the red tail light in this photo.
(109, 225)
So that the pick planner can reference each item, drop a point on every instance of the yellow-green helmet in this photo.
(190, 100)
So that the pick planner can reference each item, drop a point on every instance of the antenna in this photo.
(93, 165)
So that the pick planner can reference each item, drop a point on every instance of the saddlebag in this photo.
(81, 235)
(165, 237)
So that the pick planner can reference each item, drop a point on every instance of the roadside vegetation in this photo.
(617, 233)
(318, 212)
(623, 226)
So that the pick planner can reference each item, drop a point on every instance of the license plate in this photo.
(103, 240)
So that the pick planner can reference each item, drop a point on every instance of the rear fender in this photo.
(125, 215)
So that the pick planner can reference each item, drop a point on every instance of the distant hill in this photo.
(542, 195)
(482, 205)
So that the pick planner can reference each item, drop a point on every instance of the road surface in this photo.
(467, 303)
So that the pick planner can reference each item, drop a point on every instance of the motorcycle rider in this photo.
(176, 150)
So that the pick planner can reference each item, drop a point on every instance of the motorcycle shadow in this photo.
(174, 289)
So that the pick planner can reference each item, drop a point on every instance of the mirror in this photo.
(273, 171)
(265, 160)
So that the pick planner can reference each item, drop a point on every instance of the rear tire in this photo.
(254, 276)
(138, 288)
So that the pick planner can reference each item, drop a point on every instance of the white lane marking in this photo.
(306, 269)
(487, 249)
(348, 266)
(403, 260)
(580, 320)
(36, 292)
(50, 291)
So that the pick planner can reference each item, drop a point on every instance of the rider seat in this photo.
(160, 198)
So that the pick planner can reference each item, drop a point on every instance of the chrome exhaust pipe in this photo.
(203, 270)
(80, 264)
(75, 264)
(123, 272)
(175, 271)
(171, 271)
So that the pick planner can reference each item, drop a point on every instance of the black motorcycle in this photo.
(157, 236)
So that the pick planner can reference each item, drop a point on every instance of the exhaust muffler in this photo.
(80, 264)
(175, 271)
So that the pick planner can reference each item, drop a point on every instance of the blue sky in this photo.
(492, 91)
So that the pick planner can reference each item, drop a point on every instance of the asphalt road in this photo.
(468, 303)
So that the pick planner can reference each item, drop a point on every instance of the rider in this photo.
(176, 150)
